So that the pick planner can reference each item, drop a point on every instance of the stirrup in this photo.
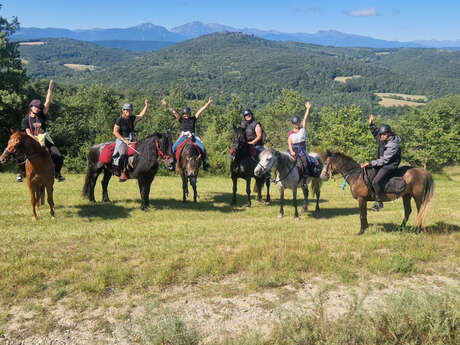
(377, 206)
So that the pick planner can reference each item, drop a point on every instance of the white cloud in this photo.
(367, 12)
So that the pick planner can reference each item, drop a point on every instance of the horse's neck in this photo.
(284, 163)
(348, 167)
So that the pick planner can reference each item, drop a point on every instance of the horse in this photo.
(188, 163)
(149, 151)
(419, 185)
(39, 168)
(242, 166)
(287, 176)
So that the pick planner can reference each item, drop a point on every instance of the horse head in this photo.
(335, 163)
(14, 147)
(164, 150)
(267, 159)
(239, 141)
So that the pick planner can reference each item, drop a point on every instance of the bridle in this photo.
(164, 157)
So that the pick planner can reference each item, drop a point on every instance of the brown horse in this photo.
(419, 185)
(39, 168)
(188, 166)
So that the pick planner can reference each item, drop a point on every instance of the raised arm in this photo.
(142, 113)
(46, 107)
(175, 113)
(305, 117)
(203, 108)
(373, 127)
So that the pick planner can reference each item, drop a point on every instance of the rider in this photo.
(188, 123)
(388, 158)
(253, 131)
(34, 124)
(124, 132)
(297, 138)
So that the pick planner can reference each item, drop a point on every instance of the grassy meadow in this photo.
(92, 252)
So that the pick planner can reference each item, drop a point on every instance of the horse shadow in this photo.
(241, 200)
(105, 211)
(327, 213)
(437, 228)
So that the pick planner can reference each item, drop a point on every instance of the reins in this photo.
(285, 177)
(160, 152)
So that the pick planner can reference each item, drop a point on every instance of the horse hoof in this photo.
(107, 201)
(53, 217)
(296, 219)
(145, 208)
(361, 232)
(280, 215)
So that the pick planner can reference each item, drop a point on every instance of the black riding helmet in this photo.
(248, 112)
(385, 129)
(295, 120)
(186, 110)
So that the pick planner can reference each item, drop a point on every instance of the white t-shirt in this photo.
(298, 137)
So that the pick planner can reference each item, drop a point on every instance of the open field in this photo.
(78, 67)
(111, 273)
(389, 99)
(344, 79)
(36, 43)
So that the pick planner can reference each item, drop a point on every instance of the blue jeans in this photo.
(194, 138)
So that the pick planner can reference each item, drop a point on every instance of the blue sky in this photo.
(401, 20)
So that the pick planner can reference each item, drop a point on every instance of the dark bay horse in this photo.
(188, 166)
(287, 176)
(243, 165)
(39, 168)
(145, 166)
(419, 185)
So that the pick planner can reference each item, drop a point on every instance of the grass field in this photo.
(389, 99)
(78, 67)
(344, 79)
(109, 259)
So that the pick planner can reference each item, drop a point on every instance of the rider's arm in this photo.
(373, 128)
(142, 113)
(116, 132)
(291, 150)
(30, 134)
(175, 113)
(46, 107)
(203, 108)
(258, 135)
(307, 112)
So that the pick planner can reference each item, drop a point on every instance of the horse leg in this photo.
(248, 191)
(49, 192)
(259, 186)
(281, 214)
(305, 198)
(184, 187)
(235, 184)
(267, 184)
(144, 188)
(104, 183)
(42, 195)
(316, 187)
(294, 201)
(363, 215)
(407, 209)
(33, 201)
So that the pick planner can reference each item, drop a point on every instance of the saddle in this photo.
(106, 155)
(395, 183)
(313, 168)
(181, 146)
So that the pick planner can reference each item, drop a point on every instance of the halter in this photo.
(160, 152)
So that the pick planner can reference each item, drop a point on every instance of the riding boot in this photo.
(377, 206)
(122, 162)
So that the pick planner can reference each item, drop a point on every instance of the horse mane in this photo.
(147, 152)
(343, 162)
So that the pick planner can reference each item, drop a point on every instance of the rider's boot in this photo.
(377, 206)
(122, 162)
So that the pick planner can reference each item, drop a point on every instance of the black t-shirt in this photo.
(36, 124)
(126, 126)
(188, 125)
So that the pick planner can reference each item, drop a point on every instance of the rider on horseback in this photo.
(124, 132)
(253, 131)
(296, 141)
(388, 158)
(188, 123)
(34, 124)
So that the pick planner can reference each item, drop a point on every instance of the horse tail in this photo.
(316, 185)
(428, 194)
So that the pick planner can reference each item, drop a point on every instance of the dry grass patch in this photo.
(38, 43)
(78, 67)
(344, 79)
(388, 99)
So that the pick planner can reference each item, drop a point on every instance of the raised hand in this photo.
(371, 119)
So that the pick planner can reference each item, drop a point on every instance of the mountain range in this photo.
(150, 32)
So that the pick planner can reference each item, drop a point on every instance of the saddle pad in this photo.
(107, 152)
(181, 145)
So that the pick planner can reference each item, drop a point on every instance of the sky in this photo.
(401, 20)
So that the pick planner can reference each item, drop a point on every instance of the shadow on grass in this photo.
(438, 228)
(331, 212)
(103, 211)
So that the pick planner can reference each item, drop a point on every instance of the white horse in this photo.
(287, 176)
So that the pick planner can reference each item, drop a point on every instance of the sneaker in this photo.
(123, 177)
(19, 178)
(60, 178)
(377, 206)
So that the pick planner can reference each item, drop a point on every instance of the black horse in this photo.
(145, 166)
(188, 166)
(243, 165)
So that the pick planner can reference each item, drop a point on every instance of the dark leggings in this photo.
(56, 156)
(380, 179)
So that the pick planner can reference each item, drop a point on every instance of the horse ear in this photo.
(12, 130)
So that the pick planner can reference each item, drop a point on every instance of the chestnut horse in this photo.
(39, 168)
(419, 185)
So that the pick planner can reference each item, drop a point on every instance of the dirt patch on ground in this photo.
(121, 317)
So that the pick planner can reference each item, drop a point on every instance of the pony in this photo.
(145, 166)
(242, 166)
(419, 185)
(188, 166)
(287, 176)
(39, 168)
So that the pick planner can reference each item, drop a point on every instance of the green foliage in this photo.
(432, 134)
(12, 80)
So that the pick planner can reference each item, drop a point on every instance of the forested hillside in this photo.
(46, 58)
